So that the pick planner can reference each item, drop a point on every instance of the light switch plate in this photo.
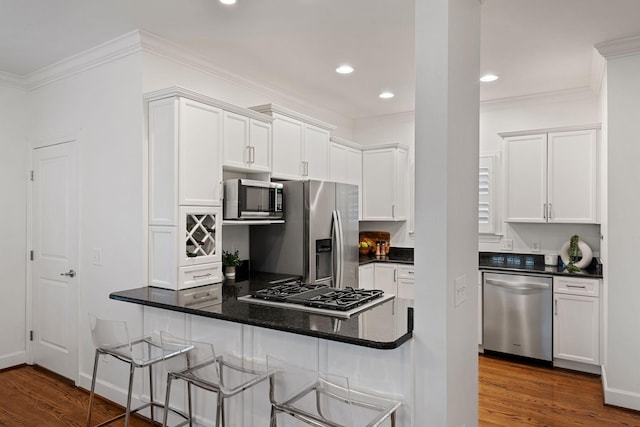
(507, 244)
(535, 246)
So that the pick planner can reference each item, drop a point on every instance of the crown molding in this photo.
(589, 126)
(346, 143)
(271, 109)
(619, 48)
(598, 67)
(551, 95)
(112, 50)
(385, 146)
(12, 80)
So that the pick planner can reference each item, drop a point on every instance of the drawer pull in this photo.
(410, 272)
(576, 286)
(202, 276)
(197, 295)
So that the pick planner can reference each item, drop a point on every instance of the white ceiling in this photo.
(294, 46)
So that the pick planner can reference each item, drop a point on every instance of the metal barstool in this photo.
(324, 400)
(225, 375)
(111, 337)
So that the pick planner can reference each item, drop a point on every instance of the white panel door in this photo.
(260, 145)
(386, 278)
(200, 168)
(526, 178)
(316, 152)
(572, 177)
(378, 191)
(235, 140)
(287, 148)
(338, 163)
(576, 328)
(55, 246)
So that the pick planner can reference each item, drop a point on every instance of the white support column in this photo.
(446, 230)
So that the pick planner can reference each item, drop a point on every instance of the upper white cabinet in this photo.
(345, 165)
(300, 144)
(246, 143)
(551, 177)
(184, 157)
(384, 183)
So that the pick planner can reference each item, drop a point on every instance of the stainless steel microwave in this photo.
(251, 199)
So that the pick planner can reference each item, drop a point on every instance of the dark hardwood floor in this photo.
(510, 394)
(515, 394)
(31, 396)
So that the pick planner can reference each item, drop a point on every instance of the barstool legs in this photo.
(93, 387)
(127, 414)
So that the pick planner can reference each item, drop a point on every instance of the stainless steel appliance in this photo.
(517, 315)
(318, 299)
(248, 199)
(319, 240)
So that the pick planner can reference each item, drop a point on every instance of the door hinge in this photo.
(31, 255)
(31, 175)
(30, 335)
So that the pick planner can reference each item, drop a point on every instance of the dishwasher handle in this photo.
(517, 285)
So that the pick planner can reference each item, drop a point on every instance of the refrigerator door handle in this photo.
(337, 249)
(341, 253)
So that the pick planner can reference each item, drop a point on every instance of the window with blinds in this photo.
(486, 205)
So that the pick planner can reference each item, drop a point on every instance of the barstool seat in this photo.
(111, 337)
(223, 374)
(325, 400)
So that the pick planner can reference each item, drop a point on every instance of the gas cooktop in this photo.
(321, 299)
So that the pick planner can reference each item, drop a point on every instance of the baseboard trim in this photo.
(617, 397)
(13, 359)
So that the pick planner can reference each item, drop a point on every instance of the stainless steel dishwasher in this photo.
(517, 315)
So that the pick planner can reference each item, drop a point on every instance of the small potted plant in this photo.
(230, 260)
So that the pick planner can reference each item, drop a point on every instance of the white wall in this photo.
(532, 113)
(447, 93)
(13, 196)
(621, 373)
(102, 107)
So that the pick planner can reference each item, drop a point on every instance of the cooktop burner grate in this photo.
(319, 296)
(285, 290)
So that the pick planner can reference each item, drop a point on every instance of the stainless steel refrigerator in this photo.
(319, 239)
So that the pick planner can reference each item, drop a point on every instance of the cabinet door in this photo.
(405, 288)
(526, 178)
(235, 140)
(399, 209)
(338, 163)
(200, 168)
(354, 173)
(260, 145)
(287, 148)
(366, 277)
(572, 174)
(385, 278)
(316, 153)
(576, 328)
(378, 192)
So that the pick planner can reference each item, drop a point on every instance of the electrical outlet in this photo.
(535, 246)
(460, 289)
(507, 244)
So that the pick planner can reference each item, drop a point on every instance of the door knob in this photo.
(70, 273)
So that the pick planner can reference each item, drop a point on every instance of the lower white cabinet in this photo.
(479, 307)
(576, 327)
(394, 279)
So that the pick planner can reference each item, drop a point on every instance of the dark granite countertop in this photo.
(386, 326)
(533, 264)
(396, 255)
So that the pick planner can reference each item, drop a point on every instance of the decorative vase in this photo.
(230, 272)
(585, 251)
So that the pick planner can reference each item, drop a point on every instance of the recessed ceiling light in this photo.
(228, 1)
(488, 78)
(386, 95)
(344, 69)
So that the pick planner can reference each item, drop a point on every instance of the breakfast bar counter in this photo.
(385, 326)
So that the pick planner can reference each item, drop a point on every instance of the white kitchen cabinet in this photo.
(576, 327)
(384, 184)
(345, 165)
(479, 308)
(395, 279)
(184, 157)
(551, 177)
(191, 253)
(246, 143)
(366, 276)
(300, 144)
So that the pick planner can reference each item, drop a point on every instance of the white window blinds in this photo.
(486, 205)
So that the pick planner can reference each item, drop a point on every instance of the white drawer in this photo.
(201, 297)
(406, 271)
(576, 286)
(198, 275)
